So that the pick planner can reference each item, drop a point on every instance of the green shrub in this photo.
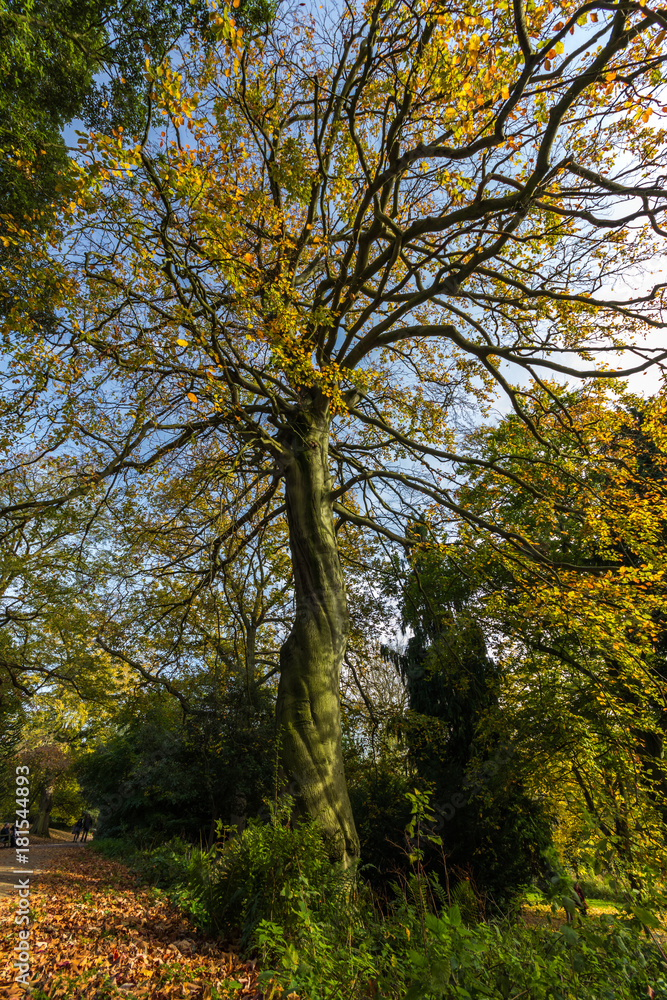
(160, 775)
(318, 961)
(601, 887)
(463, 896)
(114, 848)
(399, 959)
(257, 874)
(602, 960)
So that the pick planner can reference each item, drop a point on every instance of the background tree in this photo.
(54, 727)
(48, 764)
(54, 576)
(72, 59)
(164, 589)
(583, 655)
(63, 61)
(12, 721)
(352, 224)
(160, 774)
(460, 737)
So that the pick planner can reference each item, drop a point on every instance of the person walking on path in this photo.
(76, 829)
(87, 824)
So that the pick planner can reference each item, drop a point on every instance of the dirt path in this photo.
(44, 855)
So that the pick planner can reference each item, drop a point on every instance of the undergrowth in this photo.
(318, 932)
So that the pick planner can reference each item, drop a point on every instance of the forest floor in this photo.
(96, 934)
(44, 854)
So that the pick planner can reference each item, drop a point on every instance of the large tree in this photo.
(350, 224)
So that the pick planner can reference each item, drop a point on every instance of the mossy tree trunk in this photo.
(308, 709)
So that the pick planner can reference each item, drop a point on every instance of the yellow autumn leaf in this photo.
(192, 397)
(182, 343)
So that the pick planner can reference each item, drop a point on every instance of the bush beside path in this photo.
(96, 934)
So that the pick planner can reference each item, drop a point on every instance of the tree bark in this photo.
(41, 827)
(308, 708)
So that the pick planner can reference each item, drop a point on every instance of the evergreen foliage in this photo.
(492, 831)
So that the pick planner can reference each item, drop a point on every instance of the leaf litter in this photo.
(95, 934)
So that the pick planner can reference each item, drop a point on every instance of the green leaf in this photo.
(570, 936)
(647, 918)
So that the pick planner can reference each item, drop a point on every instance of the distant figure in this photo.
(76, 829)
(87, 824)
(4, 835)
(583, 905)
(12, 836)
(579, 901)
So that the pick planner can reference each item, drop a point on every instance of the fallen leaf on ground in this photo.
(95, 934)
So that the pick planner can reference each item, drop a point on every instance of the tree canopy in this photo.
(340, 232)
